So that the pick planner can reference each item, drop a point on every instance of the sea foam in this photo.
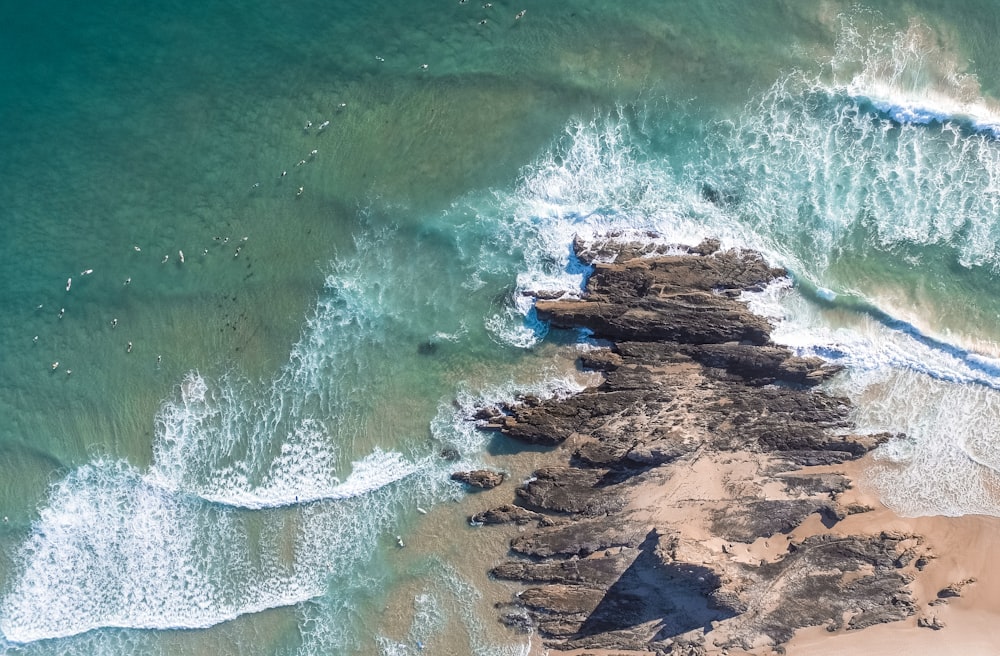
(219, 525)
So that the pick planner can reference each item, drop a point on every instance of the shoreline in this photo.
(712, 498)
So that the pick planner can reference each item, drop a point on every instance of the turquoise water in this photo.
(284, 249)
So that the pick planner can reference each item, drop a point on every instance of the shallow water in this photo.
(248, 426)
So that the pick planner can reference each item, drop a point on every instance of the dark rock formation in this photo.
(482, 479)
(508, 514)
(691, 380)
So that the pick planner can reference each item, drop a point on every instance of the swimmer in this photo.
(205, 252)
(399, 542)
(164, 260)
(237, 253)
(254, 185)
(283, 174)
(158, 358)
(137, 249)
(62, 311)
(482, 22)
(226, 240)
(245, 238)
(114, 322)
(35, 340)
(308, 125)
(377, 58)
(423, 67)
(128, 349)
(488, 5)
(342, 105)
(69, 283)
(322, 126)
(69, 372)
(299, 192)
(128, 281)
(300, 162)
(313, 152)
(181, 254)
(55, 365)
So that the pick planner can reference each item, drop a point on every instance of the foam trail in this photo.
(263, 445)
(909, 77)
(111, 550)
(201, 537)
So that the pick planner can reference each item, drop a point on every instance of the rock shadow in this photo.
(676, 596)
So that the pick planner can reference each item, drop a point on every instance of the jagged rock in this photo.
(817, 484)
(954, 590)
(707, 246)
(595, 572)
(690, 380)
(580, 538)
(930, 622)
(763, 365)
(571, 490)
(816, 592)
(670, 298)
(508, 514)
(482, 479)
(758, 519)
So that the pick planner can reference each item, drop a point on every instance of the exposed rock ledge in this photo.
(670, 528)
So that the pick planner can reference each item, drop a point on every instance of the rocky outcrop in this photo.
(482, 479)
(697, 405)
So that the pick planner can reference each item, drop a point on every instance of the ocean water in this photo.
(260, 262)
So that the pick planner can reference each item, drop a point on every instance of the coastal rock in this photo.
(508, 514)
(758, 519)
(676, 298)
(571, 490)
(599, 571)
(482, 479)
(954, 590)
(932, 622)
(692, 389)
(579, 538)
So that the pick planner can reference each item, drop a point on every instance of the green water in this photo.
(335, 303)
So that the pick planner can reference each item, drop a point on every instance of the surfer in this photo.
(399, 542)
